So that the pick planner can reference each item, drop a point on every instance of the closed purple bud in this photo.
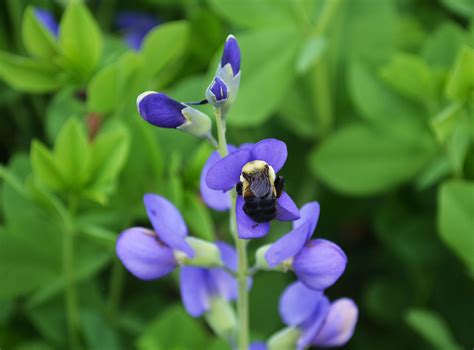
(49, 22)
(231, 54)
(217, 93)
(160, 110)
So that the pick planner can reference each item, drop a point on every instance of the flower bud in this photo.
(207, 254)
(217, 92)
(221, 318)
(162, 111)
(285, 339)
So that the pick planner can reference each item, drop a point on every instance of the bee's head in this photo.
(257, 168)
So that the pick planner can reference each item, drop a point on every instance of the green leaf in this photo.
(71, 152)
(45, 168)
(29, 75)
(256, 14)
(109, 152)
(173, 329)
(432, 328)
(410, 76)
(198, 218)
(461, 7)
(311, 52)
(363, 160)
(442, 46)
(267, 75)
(373, 99)
(455, 219)
(103, 91)
(37, 40)
(98, 333)
(461, 82)
(80, 39)
(164, 45)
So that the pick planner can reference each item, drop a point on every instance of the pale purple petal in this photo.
(287, 246)
(298, 304)
(286, 208)
(194, 290)
(258, 345)
(143, 254)
(228, 255)
(215, 199)
(47, 19)
(160, 110)
(222, 284)
(319, 264)
(311, 327)
(231, 54)
(272, 151)
(167, 222)
(225, 173)
(339, 325)
(309, 213)
(246, 227)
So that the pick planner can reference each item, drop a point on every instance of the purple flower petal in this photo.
(143, 254)
(214, 199)
(314, 324)
(228, 255)
(167, 222)
(286, 208)
(258, 345)
(246, 227)
(339, 324)
(231, 54)
(47, 19)
(319, 264)
(218, 91)
(222, 284)
(272, 151)
(134, 39)
(309, 213)
(194, 290)
(225, 173)
(298, 304)
(160, 110)
(287, 246)
(135, 25)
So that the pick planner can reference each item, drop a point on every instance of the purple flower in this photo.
(216, 200)
(47, 19)
(162, 111)
(217, 92)
(322, 323)
(318, 263)
(135, 25)
(199, 285)
(228, 70)
(258, 345)
(225, 173)
(150, 254)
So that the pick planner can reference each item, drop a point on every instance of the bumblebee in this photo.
(260, 187)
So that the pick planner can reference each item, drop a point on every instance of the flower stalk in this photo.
(241, 247)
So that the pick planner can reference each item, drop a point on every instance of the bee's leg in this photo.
(279, 185)
(238, 188)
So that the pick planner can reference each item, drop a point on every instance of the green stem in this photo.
(241, 246)
(69, 276)
(115, 289)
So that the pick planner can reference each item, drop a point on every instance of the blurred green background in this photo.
(374, 98)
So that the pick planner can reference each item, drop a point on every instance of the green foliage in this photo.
(37, 39)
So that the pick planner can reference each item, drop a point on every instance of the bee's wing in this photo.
(260, 186)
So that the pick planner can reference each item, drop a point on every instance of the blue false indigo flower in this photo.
(135, 25)
(320, 322)
(317, 263)
(217, 92)
(161, 110)
(47, 19)
(226, 173)
(228, 71)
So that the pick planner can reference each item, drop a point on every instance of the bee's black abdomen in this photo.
(261, 209)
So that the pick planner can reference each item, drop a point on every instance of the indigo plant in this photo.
(244, 181)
